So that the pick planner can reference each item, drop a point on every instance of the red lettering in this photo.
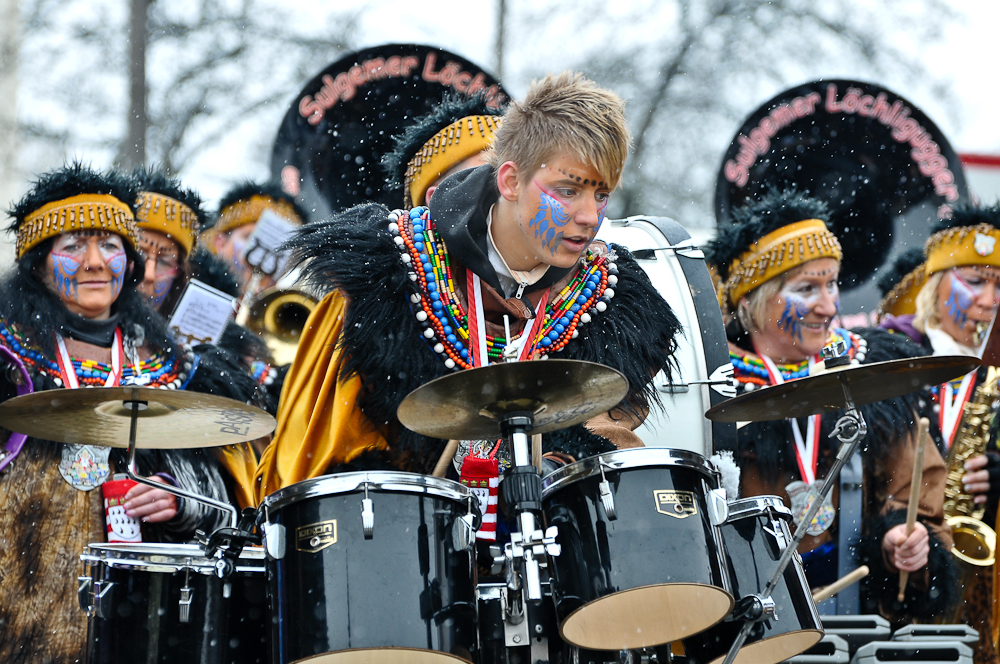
(811, 100)
(374, 69)
(783, 116)
(357, 77)
(760, 141)
(392, 65)
(478, 83)
(943, 178)
(865, 106)
(449, 73)
(831, 99)
(736, 174)
(310, 110)
(429, 73)
(768, 127)
(409, 62)
(934, 165)
(462, 82)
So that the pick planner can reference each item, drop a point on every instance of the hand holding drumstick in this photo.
(914, 503)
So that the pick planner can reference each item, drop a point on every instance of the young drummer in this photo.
(520, 233)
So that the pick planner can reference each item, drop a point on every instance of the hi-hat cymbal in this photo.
(172, 419)
(822, 393)
(467, 405)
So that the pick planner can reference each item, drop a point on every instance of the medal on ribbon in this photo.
(802, 496)
(85, 467)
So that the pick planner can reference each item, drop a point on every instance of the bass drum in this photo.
(676, 266)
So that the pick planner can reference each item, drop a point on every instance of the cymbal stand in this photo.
(522, 489)
(132, 470)
(849, 430)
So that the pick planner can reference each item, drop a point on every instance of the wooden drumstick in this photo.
(914, 504)
(446, 456)
(840, 584)
(536, 451)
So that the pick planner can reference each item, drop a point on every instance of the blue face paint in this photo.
(161, 288)
(791, 318)
(117, 265)
(550, 217)
(960, 298)
(64, 269)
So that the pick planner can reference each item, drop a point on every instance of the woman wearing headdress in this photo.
(71, 316)
(779, 266)
(948, 301)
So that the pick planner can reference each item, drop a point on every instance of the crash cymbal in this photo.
(172, 419)
(467, 405)
(822, 393)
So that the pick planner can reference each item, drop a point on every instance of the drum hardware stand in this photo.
(849, 430)
(522, 488)
(231, 540)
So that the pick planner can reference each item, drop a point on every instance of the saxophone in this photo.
(974, 541)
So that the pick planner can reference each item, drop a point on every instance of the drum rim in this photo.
(378, 480)
(624, 459)
(166, 557)
(754, 505)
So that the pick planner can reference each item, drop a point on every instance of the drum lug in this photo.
(367, 515)
(99, 598)
(718, 507)
(463, 533)
(274, 540)
(85, 594)
(754, 608)
(187, 596)
(607, 497)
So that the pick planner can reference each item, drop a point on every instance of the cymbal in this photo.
(822, 393)
(467, 405)
(172, 419)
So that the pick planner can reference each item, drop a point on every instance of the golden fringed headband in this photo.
(167, 215)
(902, 299)
(776, 253)
(962, 245)
(450, 146)
(76, 213)
(245, 212)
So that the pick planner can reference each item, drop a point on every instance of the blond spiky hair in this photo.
(565, 113)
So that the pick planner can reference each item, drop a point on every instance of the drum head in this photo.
(385, 656)
(776, 649)
(646, 617)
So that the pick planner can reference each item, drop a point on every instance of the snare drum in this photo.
(157, 602)
(651, 569)
(755, 536)
(371, 567)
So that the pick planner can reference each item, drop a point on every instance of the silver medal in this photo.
(85, 467)
(802, 496)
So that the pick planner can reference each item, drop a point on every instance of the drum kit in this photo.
(632, 555)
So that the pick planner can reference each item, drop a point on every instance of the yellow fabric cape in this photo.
(319, 422)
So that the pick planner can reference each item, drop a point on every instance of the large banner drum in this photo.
(329, 148)
(642, 560)
(884, 168)
(371, 567)
(164, 603)
(676, 266)
(755, 535)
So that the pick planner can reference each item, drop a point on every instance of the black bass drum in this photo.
(642, 561)
(755, 536)
(371, 567)
(163, 603)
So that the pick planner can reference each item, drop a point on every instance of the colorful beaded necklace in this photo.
(158, 369)
(444, 321)
(750, 370)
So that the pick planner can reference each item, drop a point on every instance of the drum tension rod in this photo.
(367, 515)
(607, 498)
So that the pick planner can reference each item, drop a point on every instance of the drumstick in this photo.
(840, 584)
(536, 451)
(914, 504)
(446, 456)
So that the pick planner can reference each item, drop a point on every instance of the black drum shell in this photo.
(642, 546)
(407, 587)
(144, 625)
(752, 556)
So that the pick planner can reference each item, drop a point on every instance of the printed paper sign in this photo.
(263, 250)
(202, 314)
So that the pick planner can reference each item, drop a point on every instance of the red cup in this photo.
(121, 527)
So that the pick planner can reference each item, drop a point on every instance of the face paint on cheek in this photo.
(160, 290)
(64, 269)
(548, 219)
(602, 210)
(117, 265)
(790, 321)
(960, 298)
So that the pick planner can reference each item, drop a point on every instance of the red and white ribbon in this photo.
(68, 373)
(477, 325)
(807, 450)
(951, 404)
